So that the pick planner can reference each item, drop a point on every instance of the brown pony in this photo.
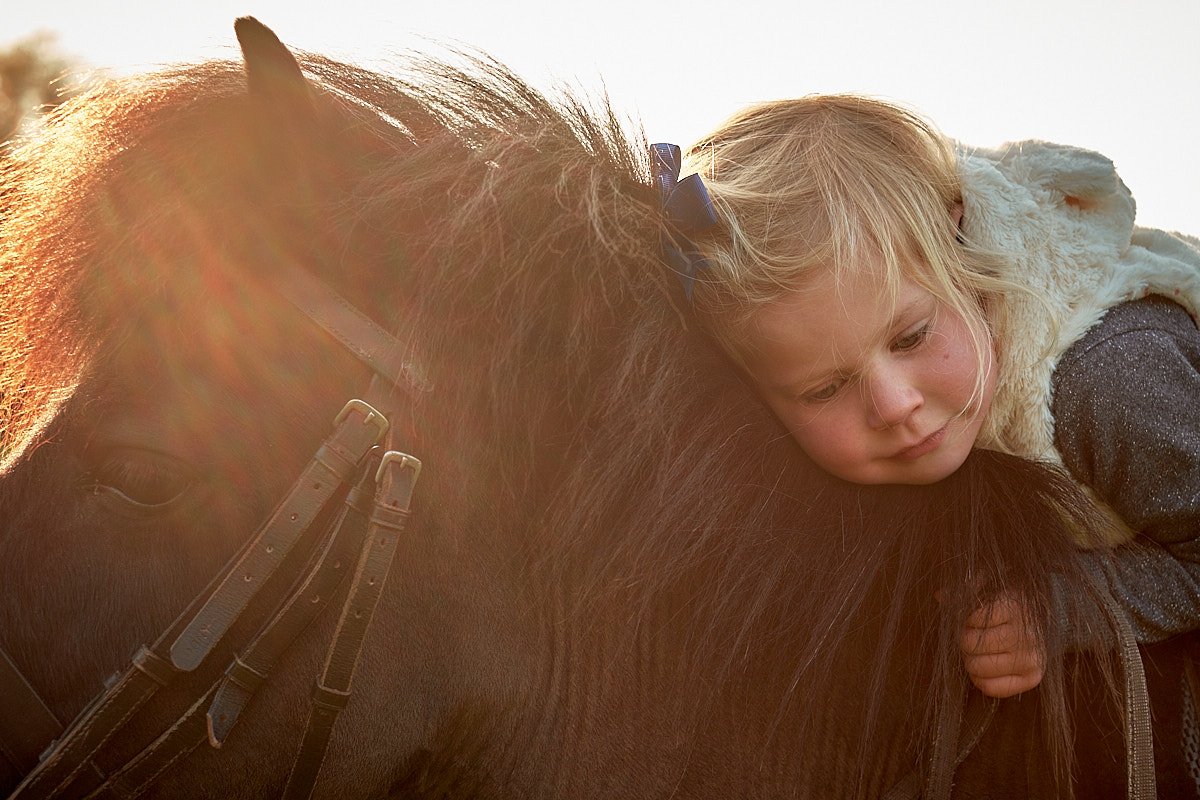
(621, 578)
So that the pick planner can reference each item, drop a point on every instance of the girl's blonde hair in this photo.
(833, 182)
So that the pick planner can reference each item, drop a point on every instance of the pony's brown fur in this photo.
(645, 498)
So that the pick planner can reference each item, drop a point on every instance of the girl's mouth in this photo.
(926, 445)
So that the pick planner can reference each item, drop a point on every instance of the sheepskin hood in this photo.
(1065, 222)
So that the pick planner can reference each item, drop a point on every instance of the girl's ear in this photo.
(956, 217)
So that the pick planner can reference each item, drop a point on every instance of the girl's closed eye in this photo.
(913, 338)
(823, 393)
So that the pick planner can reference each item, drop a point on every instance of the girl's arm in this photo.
(1127, 411)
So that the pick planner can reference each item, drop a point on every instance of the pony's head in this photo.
(154, 382)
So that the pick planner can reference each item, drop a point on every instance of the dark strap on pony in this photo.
(977, 710)
(334, 464)
(959, 729)
(248, 671)
(354, 330)
(214, 715)
(396, 478)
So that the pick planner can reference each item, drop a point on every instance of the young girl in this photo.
(898, 303)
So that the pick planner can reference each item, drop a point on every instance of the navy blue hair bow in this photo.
(688, 211)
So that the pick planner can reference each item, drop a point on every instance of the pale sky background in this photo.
(1117, 76)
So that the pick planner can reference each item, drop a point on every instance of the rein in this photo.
(350, 503)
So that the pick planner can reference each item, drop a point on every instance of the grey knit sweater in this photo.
(1126, 405)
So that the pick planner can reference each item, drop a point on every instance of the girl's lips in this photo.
(926, 445)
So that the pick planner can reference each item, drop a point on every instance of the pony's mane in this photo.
(661, 486)
(578, 416)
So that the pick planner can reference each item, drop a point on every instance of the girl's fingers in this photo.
(1002, 656)
(1007, 685)
(1001, 639)
(1002, 611)
(997, 666)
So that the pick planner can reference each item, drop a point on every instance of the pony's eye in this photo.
(141, 478)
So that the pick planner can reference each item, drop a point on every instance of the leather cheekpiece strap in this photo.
(394, 485)
(310, 599)
(357, 431)
(209, 614)
(213, 716)
(176, 742)
(153, 666)
(353, 329)
(245, 676)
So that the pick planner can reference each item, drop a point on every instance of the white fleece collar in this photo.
(1065, 223)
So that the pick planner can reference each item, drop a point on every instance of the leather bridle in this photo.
(348, 506)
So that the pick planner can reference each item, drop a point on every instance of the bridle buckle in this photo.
(404, 459)
(373, 417)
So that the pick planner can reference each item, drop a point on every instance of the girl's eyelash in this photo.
(910, 341)
(823, 394)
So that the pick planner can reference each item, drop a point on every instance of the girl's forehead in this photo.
(868, 279)
(858, 298)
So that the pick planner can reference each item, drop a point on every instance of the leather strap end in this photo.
(227, 706)
(219, 722)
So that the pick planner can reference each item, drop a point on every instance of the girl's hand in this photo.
(1000, 650)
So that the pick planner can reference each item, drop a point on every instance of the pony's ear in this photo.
(272, 73)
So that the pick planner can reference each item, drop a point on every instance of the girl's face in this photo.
(874, 391)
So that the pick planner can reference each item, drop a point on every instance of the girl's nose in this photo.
(891, 398)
